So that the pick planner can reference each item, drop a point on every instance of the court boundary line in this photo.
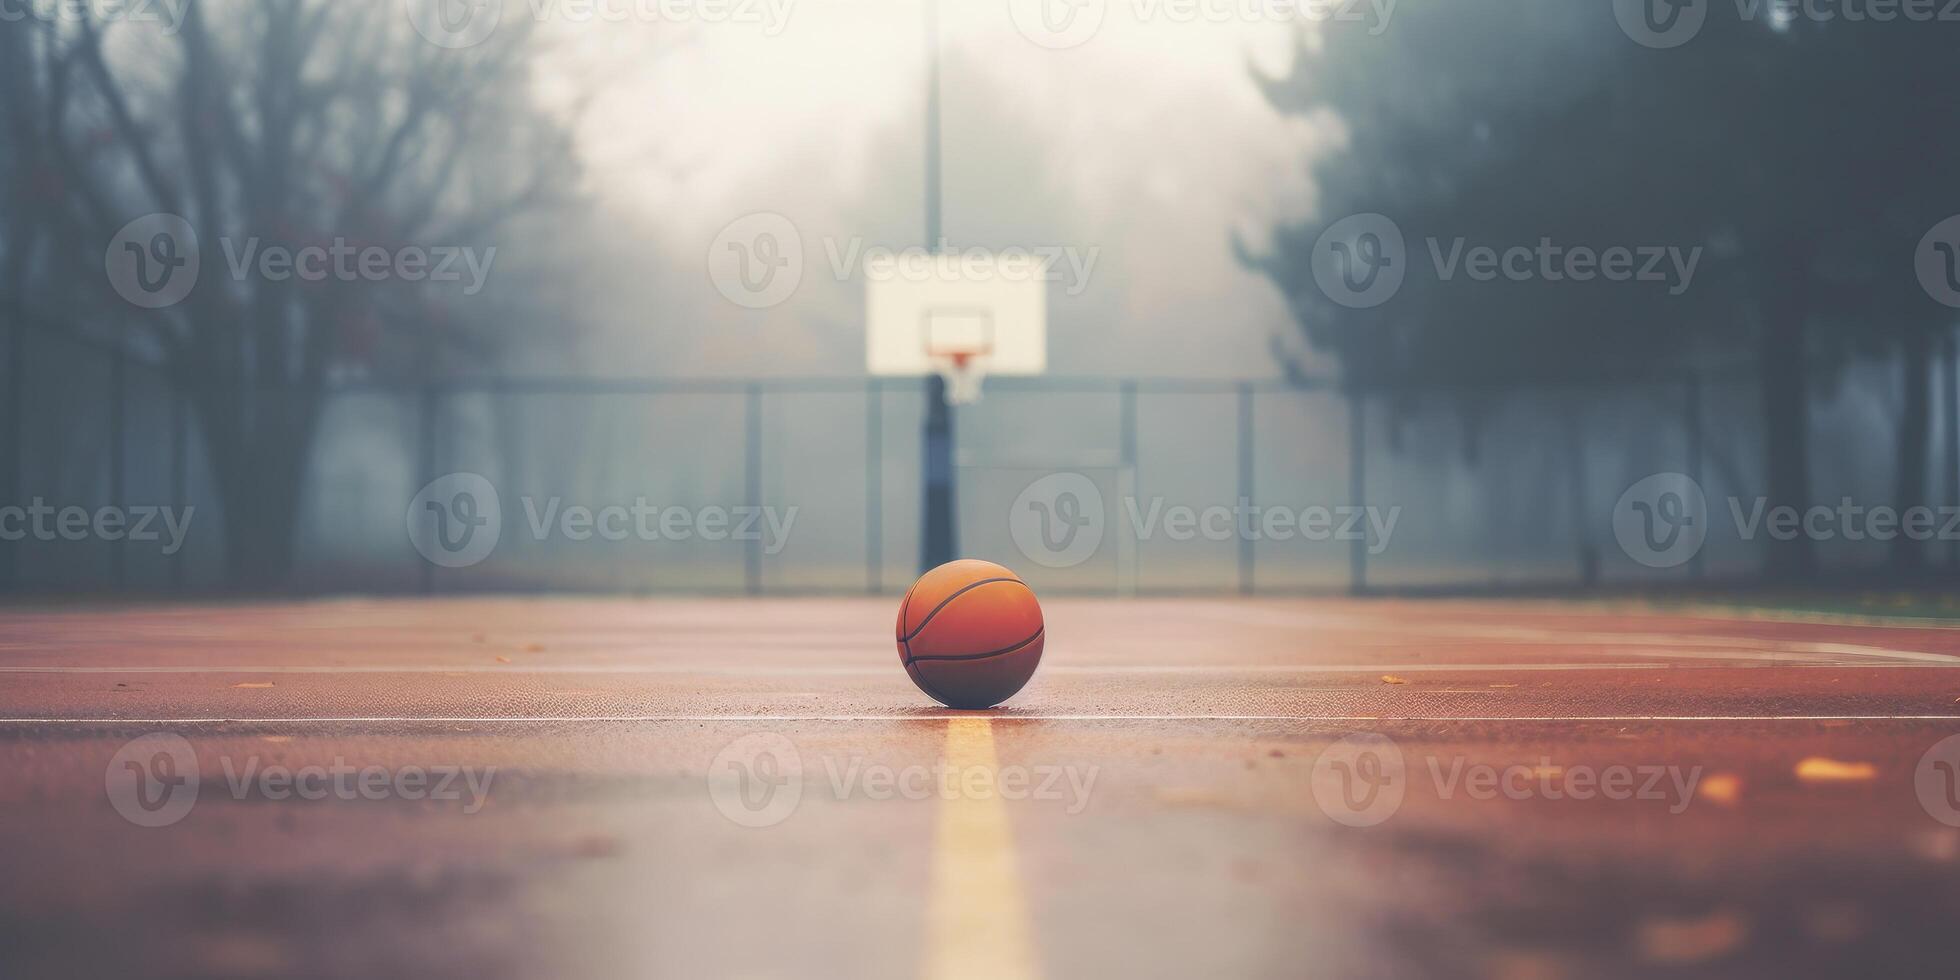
(700, 719)
(1710, 663)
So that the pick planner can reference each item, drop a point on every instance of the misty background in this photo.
(1196, 160)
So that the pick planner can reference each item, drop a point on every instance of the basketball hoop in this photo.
(963, 374)
(960, 320)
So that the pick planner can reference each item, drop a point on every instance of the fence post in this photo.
(1126, 487)
(16, 451)
(874, 486)
(1948, 363)
(1691, 407)
(425, 455)
(752, 474)
(118, 464)
(1357, 489)
(179, 475)
(1246, 552)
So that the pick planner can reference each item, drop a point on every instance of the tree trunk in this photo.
(1786, 408)
(1915, 425)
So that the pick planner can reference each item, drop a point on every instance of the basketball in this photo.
(970, 634)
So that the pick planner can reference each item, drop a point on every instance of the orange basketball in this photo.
(969, 634)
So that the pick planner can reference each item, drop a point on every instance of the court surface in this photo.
(1189, 787)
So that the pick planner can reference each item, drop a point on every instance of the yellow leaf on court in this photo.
(1817, 769)
(253, 684)
(1392, 679)
(1724, 788)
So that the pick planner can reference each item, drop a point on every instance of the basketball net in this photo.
(963, 375)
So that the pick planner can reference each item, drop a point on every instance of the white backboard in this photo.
(919, 309)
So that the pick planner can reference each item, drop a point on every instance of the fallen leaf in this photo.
(1691, 940)
(1724, 788)
(503, 660)
(1392, 679)
(253, 684)
(1817, 769)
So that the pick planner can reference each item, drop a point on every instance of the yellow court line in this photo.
(977, 919)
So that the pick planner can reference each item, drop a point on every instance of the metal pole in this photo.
(1246, 551)
(874, 486)
(118, 464)
(1953, 436)
(1691, 405)
(1126, 488)
(425, 454)
(179, 474)
(1357, 490)
(939, 537)
(752, 557)
(16, 452)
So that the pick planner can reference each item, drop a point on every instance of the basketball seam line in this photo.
(977, 656)
(962, 591)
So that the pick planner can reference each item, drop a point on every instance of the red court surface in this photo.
(1197, 787)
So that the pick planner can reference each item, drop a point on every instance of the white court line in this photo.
(1743, 647)
(697, 719)
(1699, 660)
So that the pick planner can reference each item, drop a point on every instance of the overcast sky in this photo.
(1140, 150)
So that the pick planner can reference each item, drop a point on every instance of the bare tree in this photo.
(288, 123)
